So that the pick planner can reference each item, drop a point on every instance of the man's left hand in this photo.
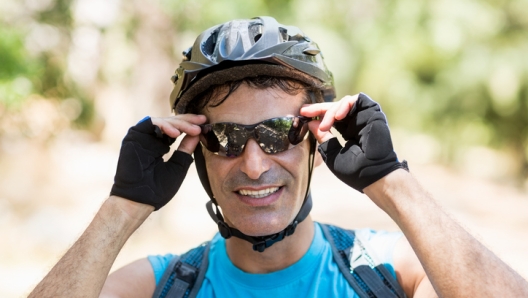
(368, 154)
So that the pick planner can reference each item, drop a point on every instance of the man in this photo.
(245, 97)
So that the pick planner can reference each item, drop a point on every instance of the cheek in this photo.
(220, 170)
(216, 168)
(295, 161)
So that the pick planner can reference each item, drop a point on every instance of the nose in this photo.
(254, 161)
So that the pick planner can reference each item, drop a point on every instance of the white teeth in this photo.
(258, 193)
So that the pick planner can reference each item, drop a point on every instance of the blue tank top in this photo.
(314, 275)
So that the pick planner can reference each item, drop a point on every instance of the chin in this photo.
(262, 226)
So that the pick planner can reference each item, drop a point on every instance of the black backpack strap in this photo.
(363, 257)
(341, 241)
(201, 272)
(354, 260)
(184, 275)
(165, 277)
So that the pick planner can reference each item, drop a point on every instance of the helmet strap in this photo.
(260, 243)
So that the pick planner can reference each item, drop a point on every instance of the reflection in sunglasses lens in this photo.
(273, 135)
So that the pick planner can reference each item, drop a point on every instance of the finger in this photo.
(329, 118)
(338, 111)
(176, 125)
(188, 144)
(315, 110)
(329, 151)
(320, 136)
(345, 106)
(191, 118)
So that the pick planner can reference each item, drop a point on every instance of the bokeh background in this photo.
(451, 75)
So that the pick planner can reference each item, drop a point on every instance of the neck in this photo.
(279, 256)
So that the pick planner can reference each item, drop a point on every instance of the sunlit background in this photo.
(451, 75)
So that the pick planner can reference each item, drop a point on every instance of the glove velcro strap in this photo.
(142, 175)
(351, 166)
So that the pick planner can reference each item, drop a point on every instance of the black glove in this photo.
(368, 154)
(142, 175)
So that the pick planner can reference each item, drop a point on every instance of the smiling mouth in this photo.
(257, 194)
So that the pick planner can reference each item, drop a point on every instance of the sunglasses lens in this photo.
(298, 130)
(273, 135)
(209, 139)
(226, 139)
(276, 135)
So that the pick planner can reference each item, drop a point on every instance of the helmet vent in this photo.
(297, 37)
(187, 54)
(255, 31)
(209, 45)
(283, 34)
(240, 49)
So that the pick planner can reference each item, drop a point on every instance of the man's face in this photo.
(280, 178)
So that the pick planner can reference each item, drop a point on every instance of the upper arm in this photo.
(410, 272)
(133, 280)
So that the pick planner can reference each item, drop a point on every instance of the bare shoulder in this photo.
(133, 280)
(410, 272)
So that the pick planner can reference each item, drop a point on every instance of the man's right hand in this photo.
(142, 175)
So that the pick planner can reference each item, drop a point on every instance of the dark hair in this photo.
(217, 94)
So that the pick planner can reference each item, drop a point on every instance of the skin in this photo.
(82, 271)
(471, 269)
(255, 170)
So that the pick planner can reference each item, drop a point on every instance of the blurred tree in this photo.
(455, 69)
(16, 72)
(34, 44)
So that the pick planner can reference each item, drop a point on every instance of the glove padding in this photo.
(142, 175)
(368, 154)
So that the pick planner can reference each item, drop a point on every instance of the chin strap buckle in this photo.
(291, 228)
(259, 246)
(224, 230)
(265, 243)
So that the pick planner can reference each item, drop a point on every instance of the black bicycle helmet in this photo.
(241, 49)
(249, 48)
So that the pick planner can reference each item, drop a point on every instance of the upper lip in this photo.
(253, 188)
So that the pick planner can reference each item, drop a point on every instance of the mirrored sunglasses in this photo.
(273, 135)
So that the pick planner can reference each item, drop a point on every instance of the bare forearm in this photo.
(456, 263)
(82, 271)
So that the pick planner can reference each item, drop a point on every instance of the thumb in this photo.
(188, 144)
(169, 176)
(320, 136)
(329, 151)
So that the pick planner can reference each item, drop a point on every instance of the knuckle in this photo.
(350, 98)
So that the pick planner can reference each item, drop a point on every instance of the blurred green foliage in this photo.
(455, 69)
(26, 71)
(15, 69)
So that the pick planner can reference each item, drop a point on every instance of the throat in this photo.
(277, 257)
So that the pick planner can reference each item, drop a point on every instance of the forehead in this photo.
(247, 105)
